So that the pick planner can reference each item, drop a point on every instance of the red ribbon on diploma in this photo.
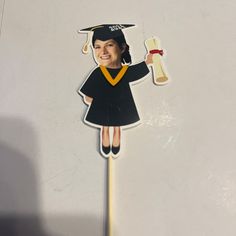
(155, 51)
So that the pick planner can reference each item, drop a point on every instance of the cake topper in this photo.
(107, 90)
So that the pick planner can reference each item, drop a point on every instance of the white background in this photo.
(176, 175)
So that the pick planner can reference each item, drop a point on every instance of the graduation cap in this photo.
(103, 32)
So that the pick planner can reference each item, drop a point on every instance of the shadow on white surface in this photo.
(19, 189)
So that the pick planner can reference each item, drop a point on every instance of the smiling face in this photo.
(108, 53)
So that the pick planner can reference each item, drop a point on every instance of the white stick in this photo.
(109, 198)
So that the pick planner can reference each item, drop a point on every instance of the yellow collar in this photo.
(119, 76)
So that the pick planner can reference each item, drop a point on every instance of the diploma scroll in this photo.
(159, 76)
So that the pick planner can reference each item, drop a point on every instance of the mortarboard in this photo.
(103, 32)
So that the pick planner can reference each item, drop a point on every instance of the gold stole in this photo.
(113, 81)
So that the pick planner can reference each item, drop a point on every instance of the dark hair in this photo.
(125, 56)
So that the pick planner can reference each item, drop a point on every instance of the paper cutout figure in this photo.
(107, 88)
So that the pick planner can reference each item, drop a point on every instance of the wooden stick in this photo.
(1, 24)
(109, 197)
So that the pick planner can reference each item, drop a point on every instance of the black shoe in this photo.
(106, 150)
(115, 150)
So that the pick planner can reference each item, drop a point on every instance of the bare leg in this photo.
(116, 141)
(116, 137)
(105, 136)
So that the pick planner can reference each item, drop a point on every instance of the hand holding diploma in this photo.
(154, 57)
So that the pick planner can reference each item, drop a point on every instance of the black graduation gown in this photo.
(112, 105)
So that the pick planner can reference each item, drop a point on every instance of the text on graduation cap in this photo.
(115, 27)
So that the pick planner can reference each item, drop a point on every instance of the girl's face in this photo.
(108, 53)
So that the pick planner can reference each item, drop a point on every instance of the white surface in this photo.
(176, 175)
